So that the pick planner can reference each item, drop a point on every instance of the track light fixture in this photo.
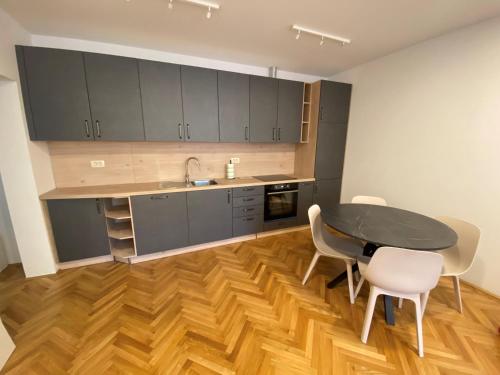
(339, 39)
(202, 3)
(209, 13)
(170, 4)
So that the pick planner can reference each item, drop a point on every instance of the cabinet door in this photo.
(115, 98)
(330, 150)
(327, 193)
(335, 100)
(160, 222)
(79, 228)
(210, 215)
(263, 109)
(234, 102)
(304, 202)
(200, 103)
(57, 94)
(161, 101)
(290, 103)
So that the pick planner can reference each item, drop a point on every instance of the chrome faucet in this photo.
(188, 180)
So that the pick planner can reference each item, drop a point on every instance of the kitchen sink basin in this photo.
(203, 182)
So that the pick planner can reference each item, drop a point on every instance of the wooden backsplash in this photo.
(129, 162)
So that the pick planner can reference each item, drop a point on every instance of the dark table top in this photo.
(389, 226)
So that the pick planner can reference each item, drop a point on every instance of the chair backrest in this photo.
(403, 270)
(465, 250)
(366, 199)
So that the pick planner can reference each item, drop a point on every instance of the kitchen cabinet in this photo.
(290, 103)
(79, 228)
(305, 201)
(200, 104)
(210, 214)
(55, 94)
(161, 101)
(160, 222)
(115, 98)
(330, 150)
(247, 225)
(335, 102)
(234, 107)
(327, 193)
(263, 109)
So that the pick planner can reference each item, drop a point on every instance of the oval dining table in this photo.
(381, 226)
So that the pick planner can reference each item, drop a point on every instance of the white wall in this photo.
(424, 133)
(18, 156)
(8, 244)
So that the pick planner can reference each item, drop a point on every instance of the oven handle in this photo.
(282, 192)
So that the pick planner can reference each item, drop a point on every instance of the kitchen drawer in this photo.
(248, 201)
(247, 225)
(247, 191)
(248, 211)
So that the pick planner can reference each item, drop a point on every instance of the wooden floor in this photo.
(235, 309)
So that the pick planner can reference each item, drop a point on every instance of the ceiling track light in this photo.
(208, 4)
(170, 4)
(339, 39)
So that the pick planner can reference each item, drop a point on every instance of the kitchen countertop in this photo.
(127, 190)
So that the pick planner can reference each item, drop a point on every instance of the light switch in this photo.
(235, 160)
(97, 163)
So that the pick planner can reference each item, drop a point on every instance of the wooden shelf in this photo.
(123, 253)
(118, 212)
(307, 102)
(122, 248)
(120, 234)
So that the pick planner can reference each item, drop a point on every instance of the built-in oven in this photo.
(280, 201)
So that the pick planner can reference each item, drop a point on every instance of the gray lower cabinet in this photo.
(210, 215)
(247, 225)
(200, 104)
(55, 94)
(234, 108)
(79, 228)
(160, 222)
(335, 102)
(304, 202)
(115, 98)
(161, 101)
(290, 102)
(327, 193)
(330, 150)
(263, 109)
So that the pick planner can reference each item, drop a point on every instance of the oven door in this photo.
(280, 204)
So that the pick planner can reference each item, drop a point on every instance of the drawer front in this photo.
(248, 201)
(280, 224)
(248, 211)
(248, 191)
(247, 225)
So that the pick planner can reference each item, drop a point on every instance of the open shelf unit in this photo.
(306, 114)
(120, 229)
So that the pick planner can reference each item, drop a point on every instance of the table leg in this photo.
(389, 310)
(341, 277)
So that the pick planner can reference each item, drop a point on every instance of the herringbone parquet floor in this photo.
(235, 309)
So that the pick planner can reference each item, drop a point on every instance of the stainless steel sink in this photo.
(203, 182)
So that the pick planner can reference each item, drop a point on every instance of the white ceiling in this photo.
(256, 32)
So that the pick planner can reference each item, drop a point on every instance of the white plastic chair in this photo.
(331, 246)
(366, 199)
(459, 258)
(402, 273)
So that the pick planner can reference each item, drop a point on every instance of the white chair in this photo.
(412, 274)
(459, 258)
(331, 246)
(366, 199)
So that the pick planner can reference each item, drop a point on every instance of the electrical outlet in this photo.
(97, 164)
(235, 160)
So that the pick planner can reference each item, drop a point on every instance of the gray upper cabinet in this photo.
(234, 102)
(56, 92)
(263, 109)
(327, 193)
(330, 150)
(210, 215)
(334, 102)
(161, 101)
(79, 228)
(160, 222)
(290, 103)
(304, 202)
(200, 104)
(115, 98)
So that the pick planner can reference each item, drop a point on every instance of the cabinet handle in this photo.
(188, 132)
(157, 197)
(180, 131)
(248, 199)
(248, 209)
(274, 134)
(249, 219)
(248, 189)
(279, 134)
(98, 126)
(246, 133)
(228, 196)
(87, 129)
(98, 206)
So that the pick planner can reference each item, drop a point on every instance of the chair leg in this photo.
(458, 297)
(358, 288)
(418, 317)
(374, 292)
(424, 297)
(400, 303)
(350, 283)
(311, 266)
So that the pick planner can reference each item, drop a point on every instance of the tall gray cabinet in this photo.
(234, 107)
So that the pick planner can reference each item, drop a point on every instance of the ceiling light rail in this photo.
(208, 4)
(323, 36)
